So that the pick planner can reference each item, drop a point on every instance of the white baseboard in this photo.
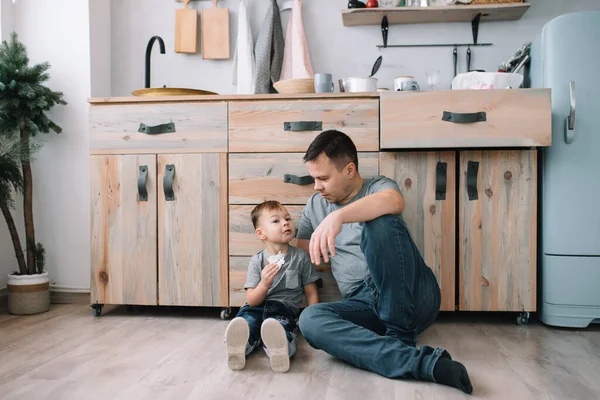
(69, 289)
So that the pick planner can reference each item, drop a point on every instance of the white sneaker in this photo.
(275, 340)
(236, 339)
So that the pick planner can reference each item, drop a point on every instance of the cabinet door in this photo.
(498, 231)
(123, 229)
(428, 181)
(192, 229)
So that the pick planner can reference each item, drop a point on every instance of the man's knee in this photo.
(309, 322)
(381, 227)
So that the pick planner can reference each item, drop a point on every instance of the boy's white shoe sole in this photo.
(274, 338)
(236, 339)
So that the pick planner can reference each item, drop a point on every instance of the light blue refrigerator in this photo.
(566, 58)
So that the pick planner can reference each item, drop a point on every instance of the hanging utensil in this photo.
(214, 32)
(455, 56)
(469, 59)
(186, 29)
(455, 60)
(376, 66)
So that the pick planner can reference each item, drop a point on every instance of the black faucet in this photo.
(149, 52)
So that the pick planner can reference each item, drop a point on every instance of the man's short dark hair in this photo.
(336, 145)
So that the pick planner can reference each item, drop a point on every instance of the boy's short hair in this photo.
(267, 205)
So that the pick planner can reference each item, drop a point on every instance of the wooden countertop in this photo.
(237, 97)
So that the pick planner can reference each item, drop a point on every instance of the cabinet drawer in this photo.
(513, 118)
(195, 127)
(261, 125)
(242, 238)
(256, 177)
(238, 269)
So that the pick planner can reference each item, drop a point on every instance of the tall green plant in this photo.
(24, 101)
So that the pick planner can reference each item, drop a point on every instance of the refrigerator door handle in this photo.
(570, 128)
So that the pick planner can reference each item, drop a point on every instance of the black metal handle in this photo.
(157, 129)
(464, 118)
(168, 182)
(472, 171)
(141, 183)
(440, 180)
(298, 180)
(303, 126)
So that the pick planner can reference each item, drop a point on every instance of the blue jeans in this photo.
(269, 309)
(376, 327)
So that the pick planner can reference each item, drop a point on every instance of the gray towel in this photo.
(269, 51)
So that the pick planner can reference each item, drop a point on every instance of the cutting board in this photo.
(214, 34)
(186, 29)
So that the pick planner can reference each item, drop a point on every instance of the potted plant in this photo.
(24, 101)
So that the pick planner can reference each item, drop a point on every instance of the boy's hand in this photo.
(268, 274)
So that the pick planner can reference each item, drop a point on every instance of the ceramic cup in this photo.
(405, 83)
(323, 83)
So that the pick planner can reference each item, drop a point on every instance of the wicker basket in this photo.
(28, 294)
(495, 1)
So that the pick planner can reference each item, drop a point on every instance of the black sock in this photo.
(452, 373)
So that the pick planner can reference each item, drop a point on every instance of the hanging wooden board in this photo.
(214, 34)
(186, 29)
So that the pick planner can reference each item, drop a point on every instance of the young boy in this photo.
(277, 278)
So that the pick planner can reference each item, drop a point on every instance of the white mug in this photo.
(405, 83)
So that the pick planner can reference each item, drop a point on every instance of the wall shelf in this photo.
(435, 14)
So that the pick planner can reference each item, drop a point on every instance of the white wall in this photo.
(100, 43)
(342, 51)
(61, 171)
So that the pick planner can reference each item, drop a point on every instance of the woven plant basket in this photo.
(495, 1)
(28, 294)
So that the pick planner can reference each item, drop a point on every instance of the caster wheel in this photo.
(225, 313)
(523, 318)
(97, 309)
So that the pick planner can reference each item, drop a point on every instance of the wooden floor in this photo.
(179, 354)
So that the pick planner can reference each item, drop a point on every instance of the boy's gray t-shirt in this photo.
(349, 266)
(288, 284)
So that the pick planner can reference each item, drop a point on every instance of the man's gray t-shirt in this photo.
(288, 285)
(349, 265)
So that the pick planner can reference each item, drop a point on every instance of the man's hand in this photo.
(324, 237)
(268, 274)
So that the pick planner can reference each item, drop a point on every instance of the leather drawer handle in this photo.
(472, 171)
(440, 180)
(168, 182)
(157, 129)
(464, 118)
(141, 183)
(303, 126)
(298, 180)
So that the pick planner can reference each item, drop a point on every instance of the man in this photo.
(390, 294)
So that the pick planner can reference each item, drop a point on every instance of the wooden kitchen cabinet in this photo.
(151, 245)
(470, 202)
(496, 214)
(498, 230)
(123, 230)
(428, 183)
(192, 230)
